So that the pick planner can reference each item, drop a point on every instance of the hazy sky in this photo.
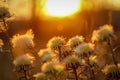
(23, 7)
(101, 4)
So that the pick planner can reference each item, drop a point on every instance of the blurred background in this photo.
(67, 18)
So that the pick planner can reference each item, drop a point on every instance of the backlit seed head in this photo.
(48, 68)
(84, 48)
(4, 12)
(45, 55)
(22, 43)
(75, 41)
(23, 60)
(71, 61)
(112, 71)
(104, 33)
(55, 43)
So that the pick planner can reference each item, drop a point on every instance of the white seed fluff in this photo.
(105, 32)
(22, 43)
(45, 55)
(75, 41)
(23, 60)
(84, 48)
(48, 67)
(55, 42)
(72, 59)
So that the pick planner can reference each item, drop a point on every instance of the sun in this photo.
(61, 8)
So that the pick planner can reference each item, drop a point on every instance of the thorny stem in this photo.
(113, 57)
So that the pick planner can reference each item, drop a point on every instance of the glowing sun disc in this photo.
(62, 8)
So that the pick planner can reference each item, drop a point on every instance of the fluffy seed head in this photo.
(4, 12)
(75, 41)
(48, 67)
(45, 55)
(104, 33)
(84, 48)
(22, 43)
(55, 42)
(23, 60)
(112, 71)
(72, 61)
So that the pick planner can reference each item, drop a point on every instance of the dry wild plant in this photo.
(105, 34)
(21, 47)
(74, 59)
(5, 16)
(80, 58)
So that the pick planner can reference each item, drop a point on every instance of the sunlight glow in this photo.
(61, 8)
(21, 8)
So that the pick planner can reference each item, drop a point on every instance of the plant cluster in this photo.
(62, 59)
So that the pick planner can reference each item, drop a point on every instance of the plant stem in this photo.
(59, 54)
(8, 37)
(35, 54)
(90, 71)
(4, 22)
(112, 53)
(75, 72)
(25, 75)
